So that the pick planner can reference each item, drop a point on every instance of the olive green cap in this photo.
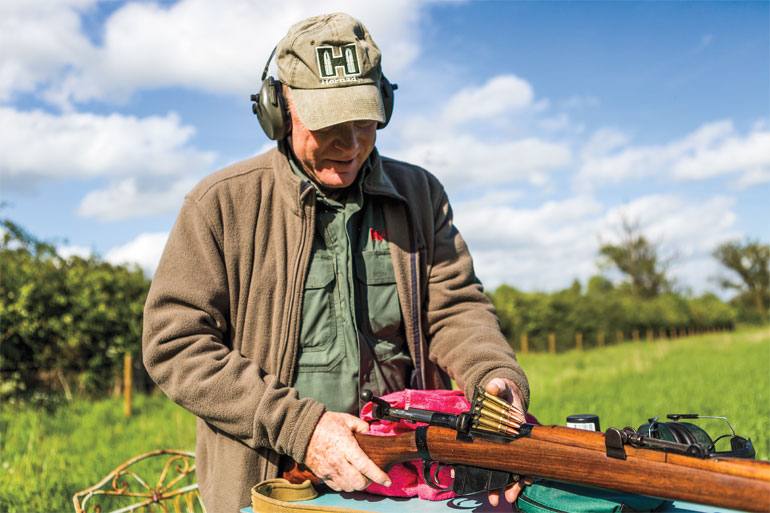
(332, 66)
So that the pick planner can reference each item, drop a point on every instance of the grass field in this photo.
(721, 374)
(48, 455)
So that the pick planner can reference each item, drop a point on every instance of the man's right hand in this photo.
(333, 454)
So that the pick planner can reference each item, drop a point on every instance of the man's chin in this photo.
(337, 178)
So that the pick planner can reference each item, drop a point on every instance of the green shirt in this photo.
(351, 334)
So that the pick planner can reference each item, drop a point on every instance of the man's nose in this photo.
(346, 136)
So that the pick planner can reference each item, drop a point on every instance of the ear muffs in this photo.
(270, 109)
(273, 114)
(680, 433)
(386, 91)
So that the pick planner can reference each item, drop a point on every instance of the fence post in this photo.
(650, 335)
(552, 342)
(524, 343)
(579, 341)
(619, 336)
(127, 384)
(635, 334)
(600, 339)
(662, 333)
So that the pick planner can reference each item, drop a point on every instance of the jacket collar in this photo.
(377, 181)
(292, 188)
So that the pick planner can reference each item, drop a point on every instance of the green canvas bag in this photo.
(545, 496)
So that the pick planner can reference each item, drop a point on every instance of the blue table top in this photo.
(472, 504)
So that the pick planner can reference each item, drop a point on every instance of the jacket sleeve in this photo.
(187, 349)
(462, 327)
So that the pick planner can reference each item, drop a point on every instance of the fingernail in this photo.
(387, 484)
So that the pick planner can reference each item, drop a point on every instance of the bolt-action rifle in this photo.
(489, 447)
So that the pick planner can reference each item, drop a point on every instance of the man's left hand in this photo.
(507, 390)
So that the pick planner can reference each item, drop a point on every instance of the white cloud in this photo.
(726, 154)
(126, 199)
(501, 95)
(688, 228)
(546, 247)
(714, 149)
(462, 154)
(195, 44)
(464, 160)
(46, 146)
(145, 250)
(147, 162)
(37, 40)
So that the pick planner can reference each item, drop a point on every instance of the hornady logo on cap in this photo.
(329, 61)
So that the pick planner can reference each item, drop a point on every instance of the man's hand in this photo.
(334, 455)
(506, 389)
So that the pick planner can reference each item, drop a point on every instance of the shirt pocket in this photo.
(382, 312)
(319, 324)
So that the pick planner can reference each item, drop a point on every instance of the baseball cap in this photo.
(332, 66)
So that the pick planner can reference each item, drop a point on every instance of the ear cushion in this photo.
(386, 90)
(681, 433)
(270, 108)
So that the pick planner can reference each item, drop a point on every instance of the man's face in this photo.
(332, 156)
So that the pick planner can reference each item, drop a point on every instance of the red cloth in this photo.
(406, 477)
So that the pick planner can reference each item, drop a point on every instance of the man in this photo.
(294, 280)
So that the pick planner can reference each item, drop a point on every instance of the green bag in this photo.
(545, 496)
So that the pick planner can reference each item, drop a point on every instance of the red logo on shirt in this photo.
(377, 235)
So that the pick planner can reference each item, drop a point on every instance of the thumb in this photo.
(355, 424)
(496, 386)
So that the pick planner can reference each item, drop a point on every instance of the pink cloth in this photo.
(406, 477)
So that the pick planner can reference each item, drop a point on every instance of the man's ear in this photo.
(287, 100)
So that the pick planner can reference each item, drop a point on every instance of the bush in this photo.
(66, 323)
(602, 308)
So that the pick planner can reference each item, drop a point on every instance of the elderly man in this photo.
(295, 279)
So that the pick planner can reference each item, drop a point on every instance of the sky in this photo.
(549, 123)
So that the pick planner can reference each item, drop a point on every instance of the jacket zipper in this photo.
(415, 304)
(296, 290)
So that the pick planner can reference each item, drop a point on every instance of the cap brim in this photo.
(320, 108)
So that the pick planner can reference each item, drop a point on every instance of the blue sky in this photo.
(548, 122)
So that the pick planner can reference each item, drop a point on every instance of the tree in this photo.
(638, 258)
(751, 262)
(64, 321)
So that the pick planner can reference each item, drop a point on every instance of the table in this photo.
(471, 504)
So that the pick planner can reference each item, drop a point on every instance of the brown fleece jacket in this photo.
(222, 317)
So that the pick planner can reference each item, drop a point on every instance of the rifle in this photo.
(624, 460)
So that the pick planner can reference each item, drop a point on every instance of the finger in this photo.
(499, 387)
(494, 497)
(494, 385)
(355, 424)
(350, 479)
(365, 466)
(331, 484)
(513, 491)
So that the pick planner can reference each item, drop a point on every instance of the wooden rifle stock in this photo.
(580, 457)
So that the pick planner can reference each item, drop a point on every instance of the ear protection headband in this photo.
(690, 434)
(270, 106)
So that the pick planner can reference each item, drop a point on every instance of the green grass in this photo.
(720, 374)
(46, 455)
